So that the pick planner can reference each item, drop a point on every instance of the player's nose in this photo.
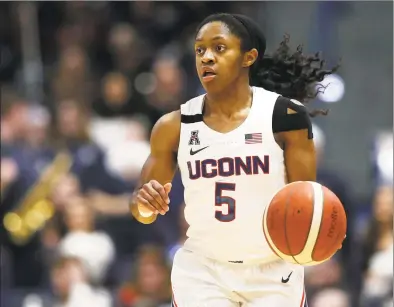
(208, 57)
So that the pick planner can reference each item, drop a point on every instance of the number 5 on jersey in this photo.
(221, 200)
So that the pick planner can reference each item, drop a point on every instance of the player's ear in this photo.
(250, 57)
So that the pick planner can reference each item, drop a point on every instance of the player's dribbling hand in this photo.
(152, 198)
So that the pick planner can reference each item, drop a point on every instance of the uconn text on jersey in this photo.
(227, 167)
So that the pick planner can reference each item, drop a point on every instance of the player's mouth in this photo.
(208, 74)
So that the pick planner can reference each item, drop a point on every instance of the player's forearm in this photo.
(299, 156)
(161, 170)
(146, 174)
(300, 170)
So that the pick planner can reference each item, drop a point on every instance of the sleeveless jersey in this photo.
(229, 179)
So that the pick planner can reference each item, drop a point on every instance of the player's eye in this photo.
(220, 48)
(199, 50)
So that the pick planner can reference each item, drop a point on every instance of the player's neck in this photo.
(231, 101)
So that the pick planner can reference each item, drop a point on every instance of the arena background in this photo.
(82, 83)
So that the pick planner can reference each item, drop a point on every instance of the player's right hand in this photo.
(152, 198)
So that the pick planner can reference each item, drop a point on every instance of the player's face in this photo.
(218, 57)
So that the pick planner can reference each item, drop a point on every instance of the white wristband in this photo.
(146, 214)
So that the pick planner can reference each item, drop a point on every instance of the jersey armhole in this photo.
(282, 121)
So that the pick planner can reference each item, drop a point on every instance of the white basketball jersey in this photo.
(229, 179)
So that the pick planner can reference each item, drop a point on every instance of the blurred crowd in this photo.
(71, 156)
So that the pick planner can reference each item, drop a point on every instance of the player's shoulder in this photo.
(265, 95)
(286, 106)
(165, 133)
(277, 99)
(168, 125)
(169, 120)
(290, 115)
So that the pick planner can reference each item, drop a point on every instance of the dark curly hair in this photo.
(291, 74)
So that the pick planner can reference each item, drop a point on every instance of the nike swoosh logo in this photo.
(197, 151)
(285, 281)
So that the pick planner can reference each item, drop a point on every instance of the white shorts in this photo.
(202, 282)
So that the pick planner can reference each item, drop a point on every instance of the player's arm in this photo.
(151, 196)
(293, 131)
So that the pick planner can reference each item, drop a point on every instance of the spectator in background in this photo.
(143, 14)
(71, 124)
(121, 95)
(378, 250)
(334, 182)
(17, 176)
(124, 45)
(331, 297)
(325, 176)
(9, 173)
(72, 77)
(169, 81)
(150, 282)
(325, 275)
(116, 91)
(72, 134)
(14, 114)
(183, 226)
(116, 95)
(65, 189)
(71, 286)
(79, 24)
(37, 123)
(36, 148)
(94, 248)
(126, 156)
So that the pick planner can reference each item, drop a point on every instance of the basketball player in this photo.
(235, 147)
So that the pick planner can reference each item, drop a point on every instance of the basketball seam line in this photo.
(287, 240)
(313, 212)
(321, 224)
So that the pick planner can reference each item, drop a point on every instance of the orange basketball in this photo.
(305, 223)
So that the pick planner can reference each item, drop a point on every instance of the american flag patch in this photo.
(253, 138)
